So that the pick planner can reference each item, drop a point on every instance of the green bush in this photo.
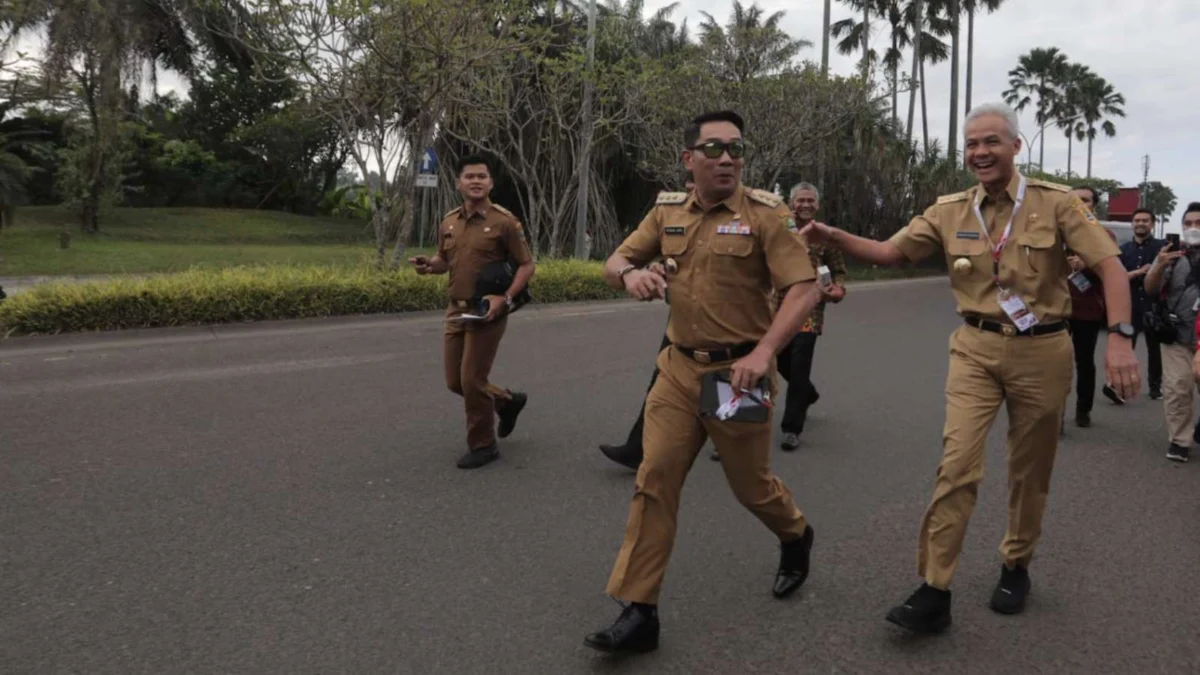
(199, 297)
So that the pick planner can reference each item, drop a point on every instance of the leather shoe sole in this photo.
(936, 624)
(477, 458)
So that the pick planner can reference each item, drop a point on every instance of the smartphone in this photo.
(1173, 240)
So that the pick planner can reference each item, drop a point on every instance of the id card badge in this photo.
(1081, 282)
(1016, 310)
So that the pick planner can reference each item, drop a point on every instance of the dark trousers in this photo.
(634, 443)
(1084, 335)
(1154, 351)
(795, 365)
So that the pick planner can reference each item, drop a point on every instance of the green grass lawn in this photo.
(138, 241)
(173, 240)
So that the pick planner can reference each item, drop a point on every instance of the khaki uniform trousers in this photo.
(470, 350)
(1177, 387)
(1032, 375)
(674, 433)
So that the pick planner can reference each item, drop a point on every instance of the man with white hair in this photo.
(1004, 241)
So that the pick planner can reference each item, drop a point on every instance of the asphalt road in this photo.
(283, 499)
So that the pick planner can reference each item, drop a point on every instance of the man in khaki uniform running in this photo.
(1003, 240)
(725, 248)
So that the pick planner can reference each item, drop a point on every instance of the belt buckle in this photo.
(702, 357)
(461, 304)
(1008, 330)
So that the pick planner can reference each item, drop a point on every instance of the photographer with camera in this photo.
(1172, 281)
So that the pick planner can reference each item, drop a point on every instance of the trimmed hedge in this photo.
(200, 297)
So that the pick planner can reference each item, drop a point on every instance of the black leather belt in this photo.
(717, 355)
(1010, 330)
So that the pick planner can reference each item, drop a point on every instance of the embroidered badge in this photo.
(966, 235)
(674, 229)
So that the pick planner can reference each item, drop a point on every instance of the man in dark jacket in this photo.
(1137, 255)
(1087, 320)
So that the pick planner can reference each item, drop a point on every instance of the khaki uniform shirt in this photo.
(1033, 264)
(729, 258)
(470, 241)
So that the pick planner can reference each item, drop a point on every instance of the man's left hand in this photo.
(748, 370)
(495, 306)
(834, 293)
(1122, 366)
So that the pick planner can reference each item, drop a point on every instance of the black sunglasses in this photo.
(714, 149)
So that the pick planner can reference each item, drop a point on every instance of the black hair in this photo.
(471, 160)
(692, 133)
(1193, 207)
(1089, 188)
(1145, 211)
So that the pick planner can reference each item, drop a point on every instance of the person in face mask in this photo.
(1173, 277)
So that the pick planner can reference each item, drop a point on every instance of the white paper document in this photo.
(466, 317)
(729, 404)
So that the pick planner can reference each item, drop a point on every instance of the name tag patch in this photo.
(674, 229)
(967, 235)
(733, 228)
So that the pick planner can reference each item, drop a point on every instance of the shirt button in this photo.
(695, 327)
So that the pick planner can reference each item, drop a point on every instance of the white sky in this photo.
(1144, 50)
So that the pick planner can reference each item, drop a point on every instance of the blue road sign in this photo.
(428, 162)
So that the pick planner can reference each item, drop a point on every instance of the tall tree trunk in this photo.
(1042, 148)
(912, 94)
(825, 40)
(866, 41)
(970, 64)
(1069, 140)
(952, 142)
(1091, 136)
(924, 110)
(895, 82)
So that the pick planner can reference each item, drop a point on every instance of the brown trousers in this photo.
(1177, 385)
(1032, 375)
(470, 350)
(674, 433)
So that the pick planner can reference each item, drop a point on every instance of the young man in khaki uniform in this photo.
(1004, 241)
(725, 248)
(470, 237)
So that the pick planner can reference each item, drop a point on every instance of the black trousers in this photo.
(1154, 351)
(634, 442)
(1084, 335)
(795, 366)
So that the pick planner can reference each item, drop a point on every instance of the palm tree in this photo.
(1037, 73)
(855, 34)
(931, 49)
(953, 10)
(1098, 101)
(825, 39)
(750, 45)
(1068, 111)
(971, 7)
(918, 26)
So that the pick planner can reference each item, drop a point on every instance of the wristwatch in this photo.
(626, 270)
(508, 302)
(1122, 329)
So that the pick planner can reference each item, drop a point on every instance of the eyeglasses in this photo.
(714, 149)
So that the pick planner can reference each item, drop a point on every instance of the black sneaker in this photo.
(477, 458)
(791, 441)
(1155, 393)
(1010, 593)
(1083, 420)
(1177, 453)
(925, 611)
(636, 630)
(1112, 395)
(508, 414)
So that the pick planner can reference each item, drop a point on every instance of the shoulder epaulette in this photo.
(671, 198)
(501, 209)
(763, 197)
(950, 199)
(1047, 184)
(452, 211)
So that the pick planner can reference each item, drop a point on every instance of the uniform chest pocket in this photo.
(731, 261)
(486, 241)
(674, 243)
(733, 245)
(1039, 250)
(449, 241)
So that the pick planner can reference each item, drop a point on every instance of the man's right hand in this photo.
(420, 264)
(645, 285)
(1165, 256)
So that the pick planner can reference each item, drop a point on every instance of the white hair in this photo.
(1000, 110)
(805, 186)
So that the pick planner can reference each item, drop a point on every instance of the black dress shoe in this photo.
(508, 414)
(636, 630)
(925, 611)
(1083, 420)
(793, 564)
(1010, 593)
(622, 455)
(478, 457)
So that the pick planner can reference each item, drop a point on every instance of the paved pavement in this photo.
(283, 499)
